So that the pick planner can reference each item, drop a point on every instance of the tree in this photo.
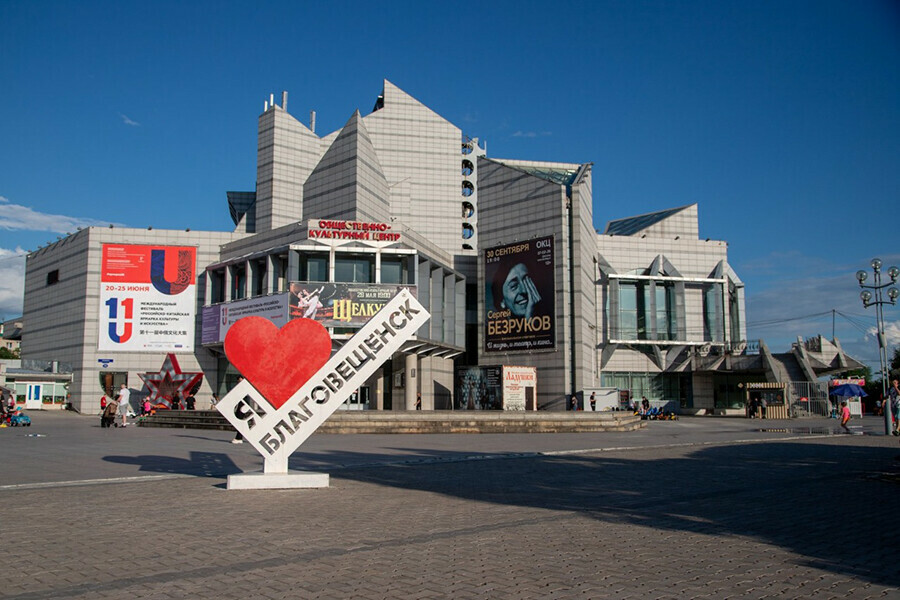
(7, 353)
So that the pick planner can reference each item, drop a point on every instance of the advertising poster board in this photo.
(516, 384)
(147, 298)
(218, 319)
(479, 388)
(519, 296)
(341, 304)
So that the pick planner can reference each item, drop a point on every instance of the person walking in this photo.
(593, 402)
(893, 404)
(124, 396)
(845, 416)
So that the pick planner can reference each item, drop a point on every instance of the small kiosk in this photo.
(774, 395)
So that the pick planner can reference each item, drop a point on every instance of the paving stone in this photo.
(706, 517)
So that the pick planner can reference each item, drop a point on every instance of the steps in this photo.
(371, 421)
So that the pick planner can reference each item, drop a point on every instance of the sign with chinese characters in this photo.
(147, 298)
(291, 385)
(519, 295)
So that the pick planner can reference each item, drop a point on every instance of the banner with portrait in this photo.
(340, 304)
(519, 295)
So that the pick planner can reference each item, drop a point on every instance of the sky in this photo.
(781, 120)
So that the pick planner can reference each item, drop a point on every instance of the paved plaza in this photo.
(695, 508)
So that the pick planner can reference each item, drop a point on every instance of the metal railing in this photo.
(808, 399)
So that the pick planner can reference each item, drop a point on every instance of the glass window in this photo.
(628, 311)
(356, 269)
(280, 264)
(393, 270)
(712, 313)
(314, 267)
(238, 281)
(259, 278)
(217, 283)
(665, 311)
(633, 302)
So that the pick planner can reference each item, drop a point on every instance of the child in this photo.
(845, 416)
(108, 419)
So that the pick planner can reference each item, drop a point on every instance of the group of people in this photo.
(118, 408)
(756, 408)
(183, 403)
(115, 412)
(7, 406)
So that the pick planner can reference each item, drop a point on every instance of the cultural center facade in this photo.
(503, 253)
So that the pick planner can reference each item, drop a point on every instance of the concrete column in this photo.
(412, 380)
(378, 390)
(207, 291)
(331, 264)
(227, 295)
(271, 275)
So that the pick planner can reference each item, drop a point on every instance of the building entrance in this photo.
(33, 396)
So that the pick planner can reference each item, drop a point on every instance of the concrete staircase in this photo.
(371, 421)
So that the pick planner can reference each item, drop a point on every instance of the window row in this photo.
(252, 278)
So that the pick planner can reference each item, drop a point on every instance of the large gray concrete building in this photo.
(503, 253)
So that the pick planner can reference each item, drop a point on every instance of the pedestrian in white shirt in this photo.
(124, 395)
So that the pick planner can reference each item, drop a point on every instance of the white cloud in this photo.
(531, 134)
(128, 121)
(891, 334)
(15, 217)
(12, 282)
(18, 217)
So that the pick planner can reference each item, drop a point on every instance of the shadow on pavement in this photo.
(835, 505)
(201, 464)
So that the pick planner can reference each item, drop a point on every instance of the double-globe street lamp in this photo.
(877, 300)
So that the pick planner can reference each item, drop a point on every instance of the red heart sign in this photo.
(277, 362)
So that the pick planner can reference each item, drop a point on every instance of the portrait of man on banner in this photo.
(519, 296)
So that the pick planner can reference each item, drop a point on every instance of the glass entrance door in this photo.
(33, 396)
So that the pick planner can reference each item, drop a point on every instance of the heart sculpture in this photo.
(277, 362)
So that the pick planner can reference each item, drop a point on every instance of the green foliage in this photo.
(865, 373)
(7, 353)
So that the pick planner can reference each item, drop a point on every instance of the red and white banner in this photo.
(147, 298)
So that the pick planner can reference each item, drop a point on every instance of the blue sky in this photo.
(780, 119)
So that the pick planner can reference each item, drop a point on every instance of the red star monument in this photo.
(169, 381)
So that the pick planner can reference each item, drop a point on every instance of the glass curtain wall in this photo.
(642, 304)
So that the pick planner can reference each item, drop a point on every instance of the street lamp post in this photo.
(877, 300)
